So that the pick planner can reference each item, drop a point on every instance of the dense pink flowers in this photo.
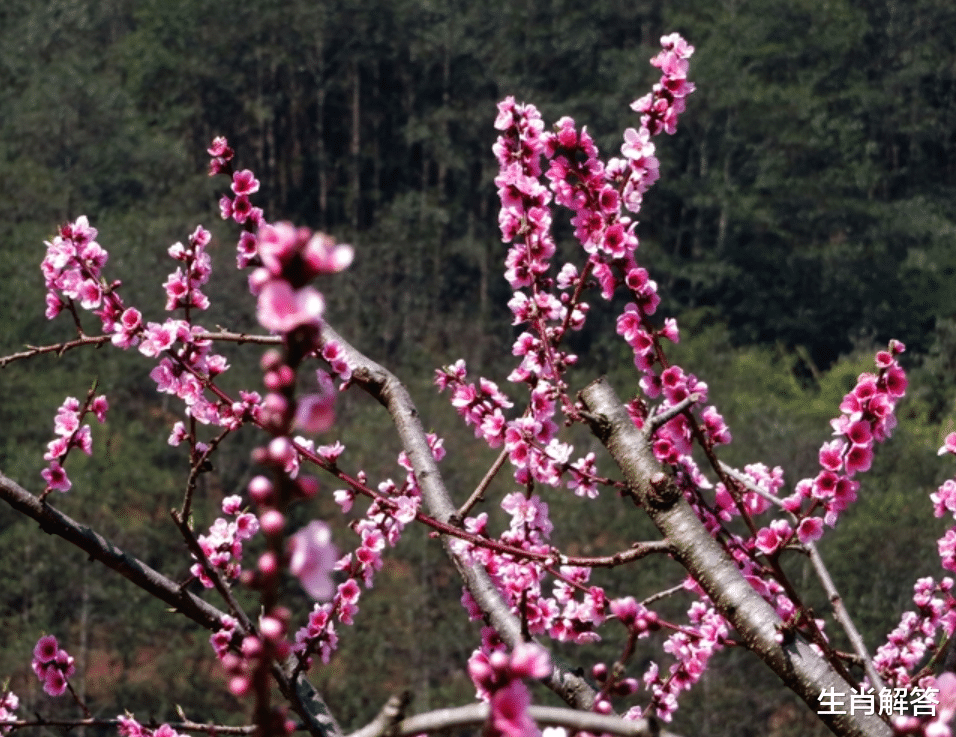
(867, 418)
(53, 665)
(183, 285)
(915, 636)
(9, 703)
(222, 546)
(661, 107)
(71, 433)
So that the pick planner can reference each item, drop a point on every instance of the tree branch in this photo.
(474, 715)
(389, 391)
(826, 580)
(796, 663)
(305, 700)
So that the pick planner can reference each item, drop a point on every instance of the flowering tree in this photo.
(729, 528)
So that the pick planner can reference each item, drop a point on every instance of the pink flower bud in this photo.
(272, 522)
(269, 563)
(271, 628)
(261, 489)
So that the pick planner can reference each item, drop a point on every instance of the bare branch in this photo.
(796, 663)
(58, 348)
(387, 720)
(479, 493)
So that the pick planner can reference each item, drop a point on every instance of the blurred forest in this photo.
(803, 216)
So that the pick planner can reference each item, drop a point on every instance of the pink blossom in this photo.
(312, 559)
(282, 309)
(220, 148)
(509, 712)
(55, 477)
(244, 182)
(810, 529)
(858, 458)
(315, 413)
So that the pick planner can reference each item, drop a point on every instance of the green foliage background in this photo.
(802, 218)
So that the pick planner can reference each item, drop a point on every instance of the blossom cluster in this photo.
(661, 107)
(944, 500)
(256, 650)
(914, 637)
(381, 525)
(71, 433)
(129, 727)
(53, 665)
(691, 647)
(936, 724)
(291, 258)
(183, 287)
(72, 270)
(867, 417)
(498, 677)
(9, 703)
(223, 545)
(595, 193)
(244, 183)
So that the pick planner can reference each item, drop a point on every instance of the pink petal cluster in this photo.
(692, 649)
(939, 709)
(498, 678)
(661, 107)
(222, 546)
(312, 558)
(71, 434)
(9, 703)
(319, 635)
(867, 418)
(129, 727)
(291, 257)
(240, 209)
(186, 371)
(915, 637)
(381, 525)
(183, 286)
(53, 665)
(72, 272)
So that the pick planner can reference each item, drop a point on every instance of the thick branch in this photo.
(389, 391)
(800, 668)
(305, 700)
(474, 715)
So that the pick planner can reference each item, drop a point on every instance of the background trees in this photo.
(803, 212)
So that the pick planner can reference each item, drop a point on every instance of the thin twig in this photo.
(58, 348)
(479, 493)
(655, 421)
(218, 729)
